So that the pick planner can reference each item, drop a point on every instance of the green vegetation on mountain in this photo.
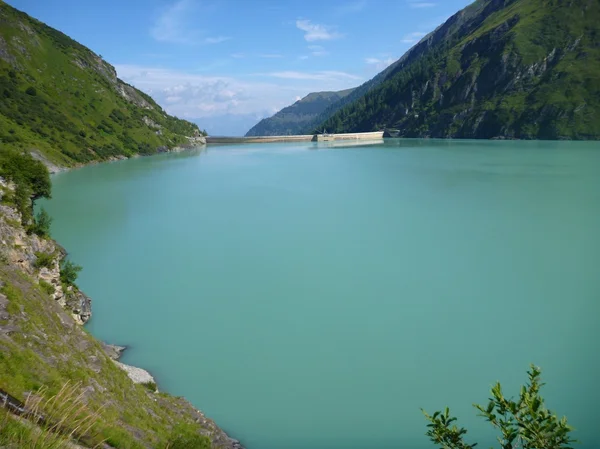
(31, 180)
(499, 68)
(302, 114)
(66, 102)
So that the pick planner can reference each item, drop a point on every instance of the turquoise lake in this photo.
(312, 296)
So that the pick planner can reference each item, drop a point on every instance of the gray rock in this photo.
(113, 351)
(137, 375)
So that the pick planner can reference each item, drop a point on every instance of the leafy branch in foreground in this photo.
(524, 423)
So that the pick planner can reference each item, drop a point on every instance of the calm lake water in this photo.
(318, 297)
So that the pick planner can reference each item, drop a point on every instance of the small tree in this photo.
(69, 272)
(524, 423)
(31, 91)
(41, 223)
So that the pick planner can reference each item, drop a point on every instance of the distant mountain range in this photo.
(525, 69)
(302, 114)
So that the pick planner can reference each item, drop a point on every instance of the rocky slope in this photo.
(497, 69)
(26, 250)
(43, 346)
(293, 119)
(65, 102)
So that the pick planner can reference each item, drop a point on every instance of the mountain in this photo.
(523, 69)
(65, 101)
(293, 119)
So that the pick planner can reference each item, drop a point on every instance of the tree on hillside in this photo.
(41, 223)
(523, 424)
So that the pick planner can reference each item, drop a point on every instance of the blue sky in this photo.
(225, 64)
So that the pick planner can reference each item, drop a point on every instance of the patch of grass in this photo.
(150, 386)
(43, 353)
(14, 296)
(44, 260)
(186, 437)
(47, 287)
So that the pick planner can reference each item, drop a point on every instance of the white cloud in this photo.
(419, 4)
(196, 96)
(216, 40)
(317, 50)
(380, 63)
(324, 75)
(238, 55)
(316, 32)
(411, 38)
(176, 24)
(270, 55)
(169, 26)
(352, 7)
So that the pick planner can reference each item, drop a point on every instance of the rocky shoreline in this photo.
(24, 251)
(193, 142)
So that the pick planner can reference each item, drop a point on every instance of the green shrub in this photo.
(69, 272)
(524, 423)
(184, 438)
(150, 386)
(31, 179)
(41, 223)
(43, 260)
(47, 287)
(31, 91)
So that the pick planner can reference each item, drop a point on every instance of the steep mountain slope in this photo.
(61, 98)
(45, 353)
(294, 118)
(499, 68)
(315, 125)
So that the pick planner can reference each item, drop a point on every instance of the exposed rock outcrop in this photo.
(137, 375)
(25, 250)
(40, 330)
(516, 69)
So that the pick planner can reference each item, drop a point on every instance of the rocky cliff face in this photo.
(42, 343)
(497, 69)
(25, 251)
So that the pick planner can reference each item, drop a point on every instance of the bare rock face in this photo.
(80, 306)
(113, 351)
(23, 250)
(131, 95)
(137, 375)
(5, 54)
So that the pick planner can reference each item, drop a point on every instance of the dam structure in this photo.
(296, 138)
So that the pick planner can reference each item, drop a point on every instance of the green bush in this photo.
(41, 223)
(47, 287)
(31, 91)
(30, 176)
(183, 438)
(524, 423)
(150, 386)
(43, 260)
(69, 272)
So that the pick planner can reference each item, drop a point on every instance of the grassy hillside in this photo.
(295, 118)
(64, 100)
(499, 68)
(68, 376)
